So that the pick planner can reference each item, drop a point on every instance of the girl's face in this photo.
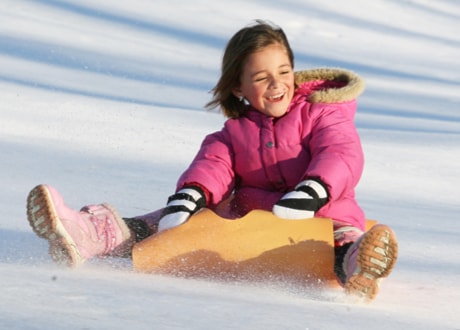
(267, 81)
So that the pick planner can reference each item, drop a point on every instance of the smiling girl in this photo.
(289, 146)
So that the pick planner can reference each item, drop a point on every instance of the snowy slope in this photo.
(104, 101)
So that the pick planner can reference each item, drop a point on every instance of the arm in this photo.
(208, 180)
(337, 155)
(212, 168)
(336, 161)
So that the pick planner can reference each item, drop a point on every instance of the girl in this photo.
(289, 146)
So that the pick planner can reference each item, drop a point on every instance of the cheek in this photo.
(254, 93)
(260, 90)
(290, 82)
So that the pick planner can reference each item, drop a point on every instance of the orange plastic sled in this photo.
(258, 246)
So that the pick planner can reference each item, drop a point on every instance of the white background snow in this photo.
(104, 100)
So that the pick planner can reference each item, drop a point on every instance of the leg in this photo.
(344, 237)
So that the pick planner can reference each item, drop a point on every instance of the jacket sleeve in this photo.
(212, 167)
(336, 153)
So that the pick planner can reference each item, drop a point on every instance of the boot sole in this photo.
(45, 222)
(377, 256)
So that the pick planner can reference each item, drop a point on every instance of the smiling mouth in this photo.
(276, 98)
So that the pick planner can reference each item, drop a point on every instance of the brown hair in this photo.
(245, 42)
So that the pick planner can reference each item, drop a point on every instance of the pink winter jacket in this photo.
(256, 159)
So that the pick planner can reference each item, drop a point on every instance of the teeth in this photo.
(276, 96)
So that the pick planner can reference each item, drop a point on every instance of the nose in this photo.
(274, 83)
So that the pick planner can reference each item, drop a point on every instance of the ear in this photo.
(237, 92)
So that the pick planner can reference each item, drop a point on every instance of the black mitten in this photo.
(181, 206)
(307, 198)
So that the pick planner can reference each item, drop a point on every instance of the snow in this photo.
(105, 102)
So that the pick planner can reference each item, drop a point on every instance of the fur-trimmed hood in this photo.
(330, 85)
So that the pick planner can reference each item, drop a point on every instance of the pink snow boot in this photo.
(371, 258)
(74, 237)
